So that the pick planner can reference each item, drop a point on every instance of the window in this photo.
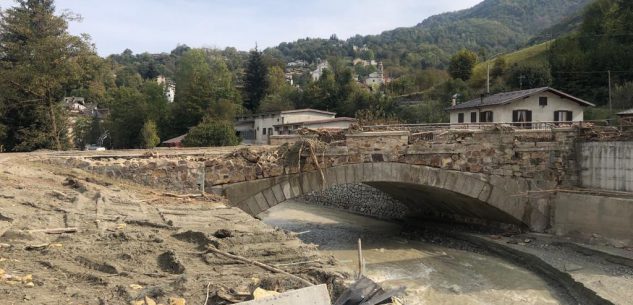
(522, 116)
(542, 101)
(264, 131)
(486, 117)
(473, 117)
(563, 116)
(460, 118)
(270, 131)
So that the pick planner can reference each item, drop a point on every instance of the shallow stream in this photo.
(432, 274)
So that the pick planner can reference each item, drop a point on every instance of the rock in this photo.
(260, 293)
(527, 241)
(136, 287)
(144, 301)
(570, 267)
(169, 262)
(176, 301)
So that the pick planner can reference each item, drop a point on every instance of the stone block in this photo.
(270, 197)
(261, 202)
(278, 193)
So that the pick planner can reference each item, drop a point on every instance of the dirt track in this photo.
(133, 242)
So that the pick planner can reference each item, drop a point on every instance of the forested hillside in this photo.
(490, 27)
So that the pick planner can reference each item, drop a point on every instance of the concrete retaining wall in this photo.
(591, 217)
(607, 165)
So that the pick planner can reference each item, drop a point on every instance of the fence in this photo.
(416, 128)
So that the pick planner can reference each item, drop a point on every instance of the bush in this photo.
(212, 133)
(149, 135)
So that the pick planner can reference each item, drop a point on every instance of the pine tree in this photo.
(255, 82)
(39, 63)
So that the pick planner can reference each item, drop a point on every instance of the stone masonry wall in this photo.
(547, 158)
(360, 199)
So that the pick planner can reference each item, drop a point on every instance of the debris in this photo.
(136, 287)
(366, 292)
(264, 266)
(260, 293)
(314, 295)
(75, 184)
(59, 195)
(570, 267)
(36, 247)
(55, 231)
(169, 262)
(178, 301)
(144, 301)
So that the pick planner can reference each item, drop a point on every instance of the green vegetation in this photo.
(39, 63)
(462, 64)
(149, 135)
(212, 133)
(445, 57)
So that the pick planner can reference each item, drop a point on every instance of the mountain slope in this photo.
(493, 25)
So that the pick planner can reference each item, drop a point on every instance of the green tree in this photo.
(205, 88)
(149, 135)
(462, 64)
(529, 76)
(255, 80)
(499, 67)
(212, 133)
(39, 63)
(81, 132)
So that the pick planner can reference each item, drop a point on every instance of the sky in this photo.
(160, 25)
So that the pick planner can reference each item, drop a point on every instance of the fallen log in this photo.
(55, 231)
(258, 264)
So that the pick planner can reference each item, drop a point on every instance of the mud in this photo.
(131, 242)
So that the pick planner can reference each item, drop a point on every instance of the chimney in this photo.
(454, 101)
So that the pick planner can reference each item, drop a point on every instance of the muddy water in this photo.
(432, 274)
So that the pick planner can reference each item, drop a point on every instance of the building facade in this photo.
(258, 128)
(521, 107)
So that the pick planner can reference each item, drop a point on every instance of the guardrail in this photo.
(489, 126)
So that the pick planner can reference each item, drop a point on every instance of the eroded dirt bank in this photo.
(120, 242)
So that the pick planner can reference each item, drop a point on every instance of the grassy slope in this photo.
(536, 54)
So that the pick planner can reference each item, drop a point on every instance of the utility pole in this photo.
(488, 80)
(610, 100)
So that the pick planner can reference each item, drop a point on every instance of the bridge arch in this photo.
(422, 188)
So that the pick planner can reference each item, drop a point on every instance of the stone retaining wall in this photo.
(360, 199)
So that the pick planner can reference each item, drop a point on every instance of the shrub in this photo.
(212, 133)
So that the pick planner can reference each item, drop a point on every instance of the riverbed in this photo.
(432, 274)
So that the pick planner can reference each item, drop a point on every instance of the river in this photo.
(432, 274)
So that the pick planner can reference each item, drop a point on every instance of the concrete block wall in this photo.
(591, 216)
(606, 165)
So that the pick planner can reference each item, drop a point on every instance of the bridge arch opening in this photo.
(426, 191)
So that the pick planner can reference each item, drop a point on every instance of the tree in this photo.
(39, 63)
(462, 64)
(255, 81)
(149, 135)
(211, 133)
(529, 76)
(203, 81)
(498, 68)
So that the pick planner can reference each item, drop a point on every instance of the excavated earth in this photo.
(121, 242)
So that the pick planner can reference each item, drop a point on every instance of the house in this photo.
(258, 128)
(534, 105)
(175, 142)
(377, 78)
(169, 87)
(316, 74)
(626, 118)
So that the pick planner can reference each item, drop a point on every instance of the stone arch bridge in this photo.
(501, 176)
